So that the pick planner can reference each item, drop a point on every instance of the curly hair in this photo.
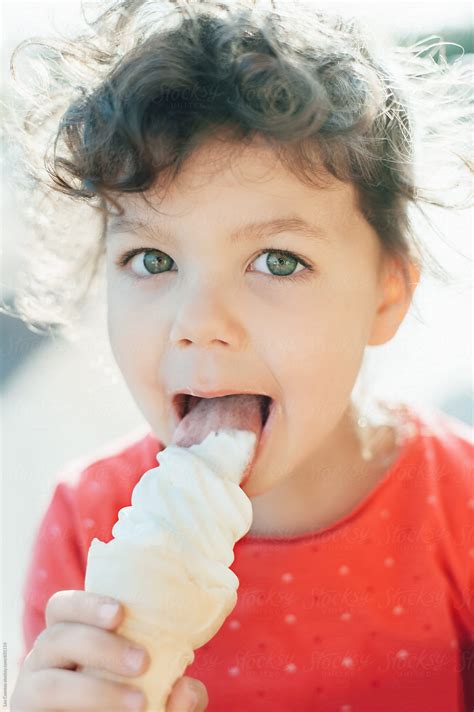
(151, 80)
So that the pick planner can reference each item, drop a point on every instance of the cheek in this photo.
(130, 344)
(118, 327)
(137, 353)
(320, 362)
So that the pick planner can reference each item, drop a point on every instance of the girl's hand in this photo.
(78, 634)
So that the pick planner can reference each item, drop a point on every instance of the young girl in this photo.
(254, 168)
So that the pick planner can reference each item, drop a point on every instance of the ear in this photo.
(394, 300)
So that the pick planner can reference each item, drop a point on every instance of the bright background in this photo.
(63, 401)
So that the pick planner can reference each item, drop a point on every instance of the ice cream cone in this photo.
(170, 614)
(169, 563)
(169, 658)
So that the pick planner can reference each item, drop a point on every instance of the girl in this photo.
(253, 169)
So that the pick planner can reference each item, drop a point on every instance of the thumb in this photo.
(187, 695)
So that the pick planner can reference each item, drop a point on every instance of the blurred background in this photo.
(63, 402)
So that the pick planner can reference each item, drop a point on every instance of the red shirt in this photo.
(374, 613)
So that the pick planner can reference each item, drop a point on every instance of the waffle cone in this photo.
(167, 611)
(169, 659)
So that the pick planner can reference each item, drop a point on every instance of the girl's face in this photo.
(202, 308)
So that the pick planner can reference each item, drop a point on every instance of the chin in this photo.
(255, 484)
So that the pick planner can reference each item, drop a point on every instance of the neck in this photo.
(328, 487)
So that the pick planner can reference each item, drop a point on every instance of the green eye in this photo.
(156, 261)
(280, 264)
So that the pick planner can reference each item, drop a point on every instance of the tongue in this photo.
(242, 412)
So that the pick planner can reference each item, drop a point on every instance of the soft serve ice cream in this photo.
(168, 562)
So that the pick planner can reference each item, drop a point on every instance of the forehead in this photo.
(227, 180)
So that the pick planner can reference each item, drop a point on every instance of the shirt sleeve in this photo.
(57, 561)
(456, 477)
(467, 637)
(466, 642)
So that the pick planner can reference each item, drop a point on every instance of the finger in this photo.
(63, 689)
(185, 694)
(84, 607)
(70, 644)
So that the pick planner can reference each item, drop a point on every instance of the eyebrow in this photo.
(258, 229)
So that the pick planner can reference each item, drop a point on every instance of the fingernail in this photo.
(134, 657)
(193, 703)
(134, 700)
(187, 700)
(107, 611)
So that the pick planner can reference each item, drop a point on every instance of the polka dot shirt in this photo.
(374, 613)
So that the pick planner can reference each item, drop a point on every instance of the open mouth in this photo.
(183, 403)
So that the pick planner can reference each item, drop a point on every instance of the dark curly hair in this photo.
(151, 80)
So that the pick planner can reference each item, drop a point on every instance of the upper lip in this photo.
(178, 401)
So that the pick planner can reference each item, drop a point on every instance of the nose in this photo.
(206, 315)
